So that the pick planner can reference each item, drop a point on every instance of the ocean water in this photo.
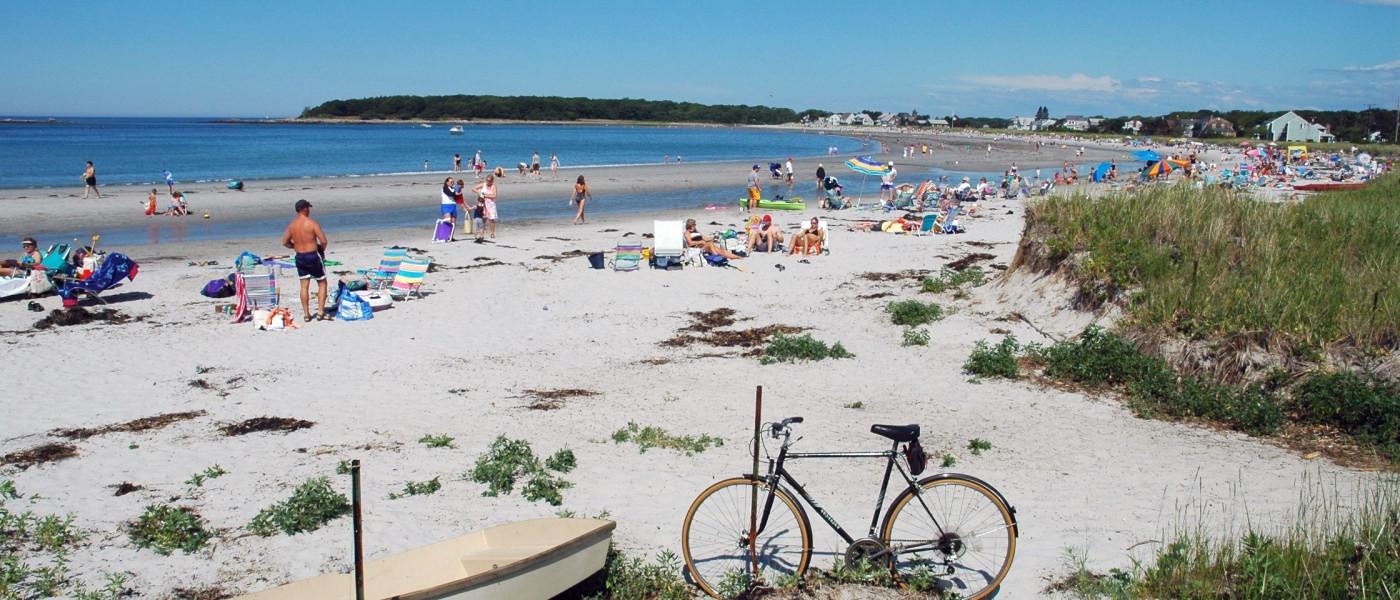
(136, 151)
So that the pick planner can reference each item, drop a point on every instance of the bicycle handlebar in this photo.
(780, 427)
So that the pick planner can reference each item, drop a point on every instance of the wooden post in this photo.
(753, 495)
(359, 545)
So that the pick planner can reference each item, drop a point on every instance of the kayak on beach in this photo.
(794, 204)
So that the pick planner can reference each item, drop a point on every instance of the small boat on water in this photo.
(456, 130)
(1328, 187)
(537, 558)
(425, 126)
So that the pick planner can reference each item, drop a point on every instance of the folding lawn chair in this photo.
(409, 279)
(254, 291)
(628, 256)
(668, 243)
(388, 267)
(108, 274)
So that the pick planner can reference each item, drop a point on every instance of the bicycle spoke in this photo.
(717, 537)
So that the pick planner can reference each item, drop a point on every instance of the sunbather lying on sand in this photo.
(695, 239)
(807, 241)
(899, 225)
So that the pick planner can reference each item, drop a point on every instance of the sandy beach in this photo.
(526, 313)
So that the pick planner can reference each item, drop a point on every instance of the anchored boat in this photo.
(538, 558)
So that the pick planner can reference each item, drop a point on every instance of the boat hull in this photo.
(538, 558)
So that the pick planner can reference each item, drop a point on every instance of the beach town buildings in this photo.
(1043, 124)
(859, 118)
(1292, 127)
(1022, 123)
(939, 123)
(1210, 127)
(1075, 123)
(834, 120)
(1132, 125)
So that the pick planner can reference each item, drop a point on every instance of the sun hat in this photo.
(29, 240)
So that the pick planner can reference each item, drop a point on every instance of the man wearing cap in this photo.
(304, 236)
(887, 184)
(29, 258)
(754, 190)
(766, 238)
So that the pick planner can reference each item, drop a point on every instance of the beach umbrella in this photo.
(1146, 156)
(1162, 167)
(866, 166)
(1100, 171)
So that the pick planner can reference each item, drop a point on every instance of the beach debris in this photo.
(258, 424)
(489, 263)
(35, 306)
(905, 274)
(201, 383)
(143, 424)
(780, 267)
(608, 231)
(979, 244)
(81, 316)
(43, 453)
(564, 255)
(655, 361)
(707, 321)
(554, 399)
(124, 488)
(874, 296)
(630, 233)
(204, 593)
(966, 261)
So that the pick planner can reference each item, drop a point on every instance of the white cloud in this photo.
(1149, 79)
(1393, 65)
(1049, 83)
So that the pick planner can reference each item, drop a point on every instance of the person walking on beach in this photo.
(581, 195)
(887, 184)
(535, 163)
(788, 169)
(90, 181)
(169, 182)
(553, 166)
(755, 191)
(486, 195)
(456, 163)
(821, 179)
(304, 236)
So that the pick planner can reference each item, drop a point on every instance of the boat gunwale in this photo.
(510, 569)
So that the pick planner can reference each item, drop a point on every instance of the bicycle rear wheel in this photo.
(715, 537)
(957, 535)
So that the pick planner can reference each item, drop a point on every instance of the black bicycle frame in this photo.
(776, 470)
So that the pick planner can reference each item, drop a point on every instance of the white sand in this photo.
(1081, 471)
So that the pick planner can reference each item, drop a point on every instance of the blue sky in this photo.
(971, 58)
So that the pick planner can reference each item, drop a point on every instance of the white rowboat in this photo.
(538, 558)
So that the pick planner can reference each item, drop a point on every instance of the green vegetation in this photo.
(550, 108)
(1363, 406)
(1300, 277)
(993, 361)
(437, 441)
(417, 488)
(165, 529)
(342, 467)
(949, 461)
(636, 579)
(313, 504)
(1323, 554)
(791, 348)
(655, 437)
(34, 555)
(509, 461)
(978, 445)
(949, 279)
(912, 313)
(857, 405)
(914, 337)
(198, 479)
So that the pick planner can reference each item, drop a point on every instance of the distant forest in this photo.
(551, 108)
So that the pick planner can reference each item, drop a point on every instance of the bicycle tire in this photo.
(978, 539)
(714, 537)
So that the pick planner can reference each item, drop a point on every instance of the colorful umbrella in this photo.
(1162, 167)
(866, 165)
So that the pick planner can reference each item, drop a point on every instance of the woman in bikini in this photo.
(695, 239)
(581, 195)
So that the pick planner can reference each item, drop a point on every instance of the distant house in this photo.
(859, 118)
(1075, 123)
(887, 118)
(939, 123)
(1022, 123)
(1132, 125)
(1095, 121)
(1216, 127)
(1375, 137)
(834, 119)
(1292, 127)
(1043, 124)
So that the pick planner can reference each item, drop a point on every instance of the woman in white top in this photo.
(486, 192)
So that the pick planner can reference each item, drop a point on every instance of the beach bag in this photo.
(246, 262)
(351, 307)
(595, 260)
(716, 260)
(218, 288)
(914, 453)
(235, 185)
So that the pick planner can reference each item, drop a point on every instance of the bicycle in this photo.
(953, 532)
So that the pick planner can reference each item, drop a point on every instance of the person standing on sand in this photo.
(580, 196)
(456, 163)
(553, 166)
(90, 181)
(304, 236)
(821, 178)
(535, 163)
(169, 182)
(755, 191)
(788, 168)
(486, 195)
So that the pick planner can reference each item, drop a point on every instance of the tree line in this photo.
(1347, 125)
(549, 108)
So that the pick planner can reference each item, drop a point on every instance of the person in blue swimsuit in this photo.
(304, 236)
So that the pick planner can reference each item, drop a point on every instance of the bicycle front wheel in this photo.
(956, 535)
(715, 537)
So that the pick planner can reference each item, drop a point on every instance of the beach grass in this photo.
(313, 504)
(1301, 277)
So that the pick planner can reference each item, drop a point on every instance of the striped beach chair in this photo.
(628, 257)
(409, 279)
(388, 267)
(255, 291)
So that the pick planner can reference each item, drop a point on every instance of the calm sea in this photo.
(136, 150)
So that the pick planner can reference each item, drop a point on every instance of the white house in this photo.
(1022, 123)
(939, 122)
(835, 119)
(1292, 127)
(1095, 121)
(1075, 123)
(859, 118)
(1043, 124)
(887, 118)
(1132, 125)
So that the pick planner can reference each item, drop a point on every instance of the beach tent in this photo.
(866, 166)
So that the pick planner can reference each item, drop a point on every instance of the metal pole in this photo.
(359, 542)
(753, 493)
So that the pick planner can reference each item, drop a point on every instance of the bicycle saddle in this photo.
(898, 433)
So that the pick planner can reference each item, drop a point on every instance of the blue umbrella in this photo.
(1100, 171)
(1146, 156)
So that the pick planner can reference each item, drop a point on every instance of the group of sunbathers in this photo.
(763, 236)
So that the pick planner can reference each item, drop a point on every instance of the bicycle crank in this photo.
(868, 549)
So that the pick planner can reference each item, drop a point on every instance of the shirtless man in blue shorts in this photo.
(304, 236)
